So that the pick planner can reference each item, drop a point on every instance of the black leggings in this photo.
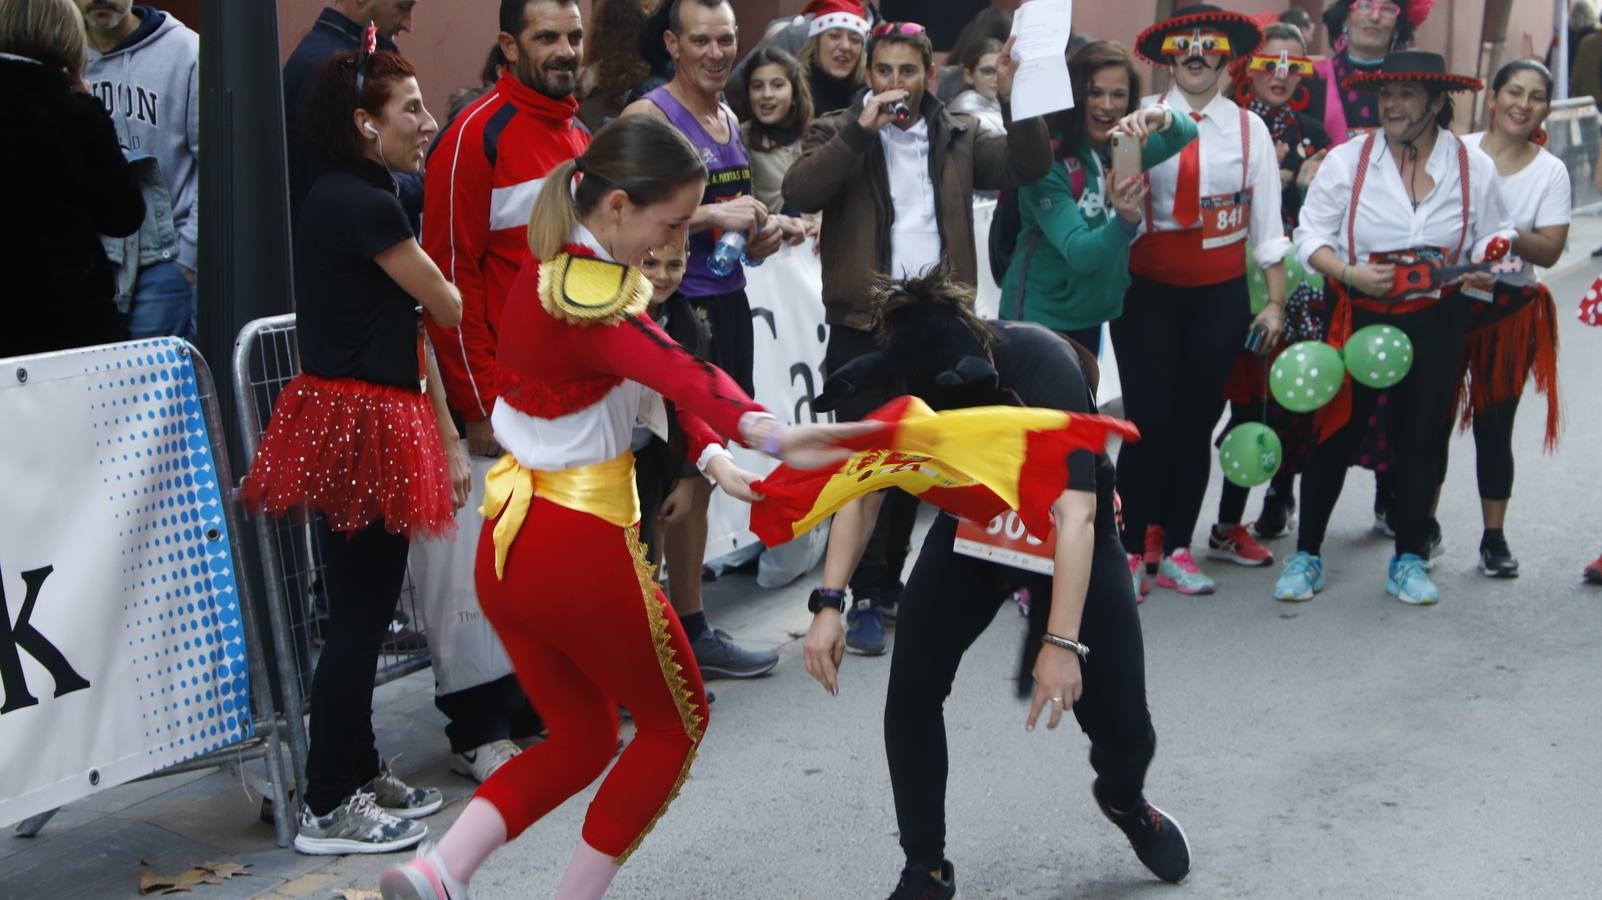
(1175, 348)
(1421, 405)
(949, 602)
(362, 573)
(1493, 449)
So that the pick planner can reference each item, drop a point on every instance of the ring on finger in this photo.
(1057, 700)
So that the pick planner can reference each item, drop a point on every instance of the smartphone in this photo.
(1126, 155)
(1257, 341)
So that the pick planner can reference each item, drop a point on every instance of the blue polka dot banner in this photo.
(122, 650)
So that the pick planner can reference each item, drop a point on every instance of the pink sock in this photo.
(479, 832)
(588, 875)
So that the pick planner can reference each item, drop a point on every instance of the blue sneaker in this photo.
(1302, 578)
(865, 628)
(1409, 581)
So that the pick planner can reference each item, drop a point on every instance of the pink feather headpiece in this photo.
(1418, 11)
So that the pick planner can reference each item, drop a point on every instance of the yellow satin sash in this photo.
(604, 490)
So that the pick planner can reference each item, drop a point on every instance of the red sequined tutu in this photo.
(358, 453)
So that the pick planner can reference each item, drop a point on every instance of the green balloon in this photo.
(1306, 376)
(1250, 454)
(1379, 356)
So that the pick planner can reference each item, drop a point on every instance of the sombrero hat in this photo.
(1414, 66)
(1243, 33)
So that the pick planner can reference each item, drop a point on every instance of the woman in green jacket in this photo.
(1071, 268)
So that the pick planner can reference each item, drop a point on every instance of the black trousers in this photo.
(1175, 348)
(878, 575)
(363, 572)
(733, 342)
(1421, 408)
(492, 711)
(650, 466)
(950, 600)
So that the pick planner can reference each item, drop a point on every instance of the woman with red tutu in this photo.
(562, 574)
(355, 437)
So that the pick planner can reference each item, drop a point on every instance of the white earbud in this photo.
(368, 127)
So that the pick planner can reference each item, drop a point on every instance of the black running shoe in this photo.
(918, 882)
(1158, 840)
(1496, 560)
(1382, 518)
(1435, 546)
(1277, 518)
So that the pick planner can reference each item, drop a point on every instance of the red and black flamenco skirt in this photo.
(358, 453)
(1511, 341)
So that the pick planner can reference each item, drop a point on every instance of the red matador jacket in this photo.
(577, 365)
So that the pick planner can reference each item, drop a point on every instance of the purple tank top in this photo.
(728, 176)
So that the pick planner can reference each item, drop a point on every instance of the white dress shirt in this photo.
(1219, 140)
(1386, 219)
(914, 230)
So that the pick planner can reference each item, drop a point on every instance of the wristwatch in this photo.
(826, 598)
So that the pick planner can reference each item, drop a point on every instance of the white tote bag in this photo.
(461, 643)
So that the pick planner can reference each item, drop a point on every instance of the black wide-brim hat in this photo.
(1412, 67)
(1244, 35)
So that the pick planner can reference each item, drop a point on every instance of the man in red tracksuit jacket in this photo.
(483, 174)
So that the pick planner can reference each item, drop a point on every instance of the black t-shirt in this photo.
(1042, 369)
(352, 320)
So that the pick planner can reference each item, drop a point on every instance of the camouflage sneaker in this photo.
(400, 799)
(356, 826)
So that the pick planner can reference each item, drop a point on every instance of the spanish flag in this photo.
(974, 463)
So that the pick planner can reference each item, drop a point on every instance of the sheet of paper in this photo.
(1041, 84)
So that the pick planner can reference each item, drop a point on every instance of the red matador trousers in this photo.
(587, 630)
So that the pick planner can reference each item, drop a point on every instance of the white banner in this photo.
(121, 646)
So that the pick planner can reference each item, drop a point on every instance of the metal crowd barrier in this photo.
(269, 730)
(266, 358)
(1574, 135)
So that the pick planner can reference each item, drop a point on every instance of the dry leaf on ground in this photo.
(226, 870)
(188, 880)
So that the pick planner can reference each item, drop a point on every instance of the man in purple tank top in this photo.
(701, 39)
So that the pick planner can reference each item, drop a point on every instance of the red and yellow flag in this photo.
(974, 463)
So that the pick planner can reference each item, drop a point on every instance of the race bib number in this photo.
(1225, 218)
(1004, 540)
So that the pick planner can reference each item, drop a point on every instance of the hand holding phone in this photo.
(1257, 340)
(1126, 154)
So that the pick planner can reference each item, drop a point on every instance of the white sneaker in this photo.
(481, 762)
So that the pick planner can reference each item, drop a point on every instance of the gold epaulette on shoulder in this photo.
(587, 291)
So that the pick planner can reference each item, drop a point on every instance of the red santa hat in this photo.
(827, 14)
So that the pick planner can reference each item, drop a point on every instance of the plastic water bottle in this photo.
(729, 250)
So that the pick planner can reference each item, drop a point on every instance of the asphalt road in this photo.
(1348, 747)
